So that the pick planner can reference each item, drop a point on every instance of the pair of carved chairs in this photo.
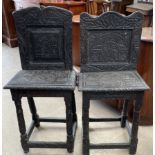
(109, 48)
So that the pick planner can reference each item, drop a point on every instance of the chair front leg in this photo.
(69, 122)
(33, 110)
(21, 122)
(85, 119)
(124, 113)
(135, 123)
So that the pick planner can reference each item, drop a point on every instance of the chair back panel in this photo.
(44, 37)
(109, 42)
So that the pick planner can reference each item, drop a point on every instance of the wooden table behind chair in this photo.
(76, 7)
(145, 69)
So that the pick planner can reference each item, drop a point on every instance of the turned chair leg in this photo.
(69, 123)
(124, 113)
(134, 131)
(85, 119)
(33, 110)
(21, 123)
(74, 108)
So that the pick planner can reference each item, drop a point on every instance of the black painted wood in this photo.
(30, 130)
(111, 81)
(128, 128)
(21, 122)
(71, 124)
(43, 79)
(104, 119)
(74, 108)
(40, 144)
(85, 123)
(44, 37)
(33, 110)
(124, 114)
(74, 129)
(134, 130)
(109, 42)
(110, 146)
(55, 120)
(109, 51)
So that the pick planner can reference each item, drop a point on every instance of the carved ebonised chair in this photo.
(109, 49)
(44, 37)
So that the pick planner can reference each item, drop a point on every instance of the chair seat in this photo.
(111, 81)
(43, 79)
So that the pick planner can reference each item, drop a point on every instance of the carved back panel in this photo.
(44, 37)
(109, 42)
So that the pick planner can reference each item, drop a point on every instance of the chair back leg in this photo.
(74, 108)
(124, 113)
(33, 110)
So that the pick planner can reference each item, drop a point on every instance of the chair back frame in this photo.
(44, 38)
(109, 42)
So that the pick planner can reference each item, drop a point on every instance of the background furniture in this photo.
(91, 9)
(76, 7)
(145, 8)
(106, 6)
(44, 36)
(103, 6)
(76, 40)
(120, 5)
(21, 4)
(8, 27)
(109, 46)
(145, 69)
(113, 5)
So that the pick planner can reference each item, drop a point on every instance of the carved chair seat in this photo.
(111, 81)
(109, 50)
(44, 38)
(43, 79)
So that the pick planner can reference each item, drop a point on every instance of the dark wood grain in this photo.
(76, 40)
(120, 6)
(8, 27)
(145, 69)
(76, 7)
